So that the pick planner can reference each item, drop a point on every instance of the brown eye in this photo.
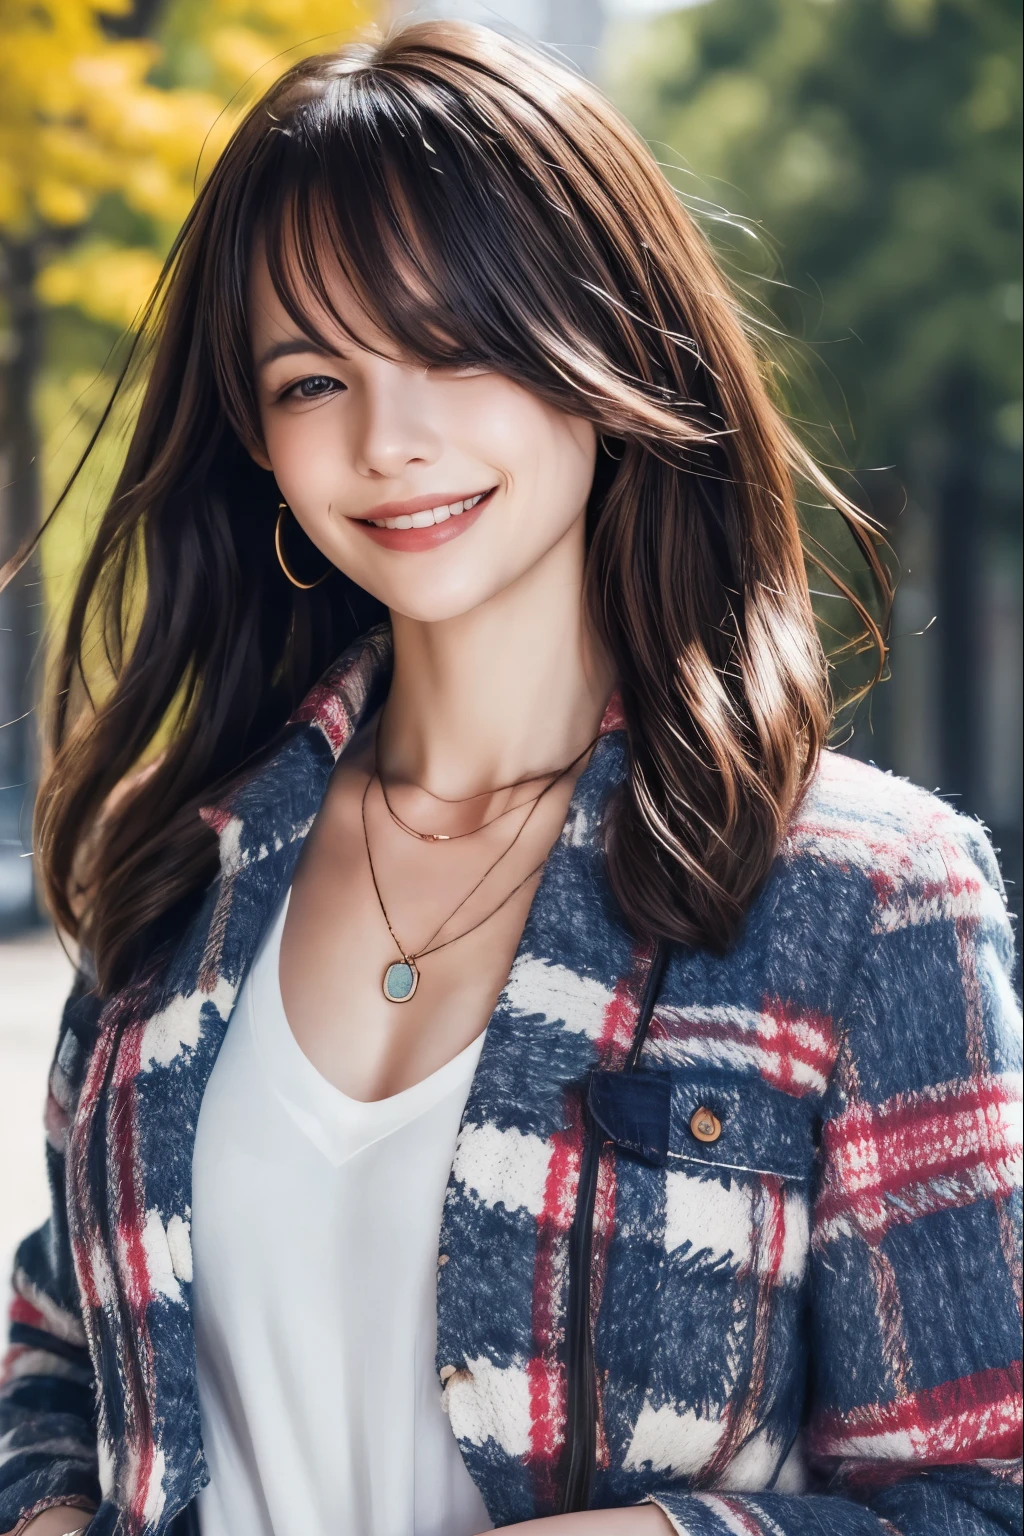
(314, 387)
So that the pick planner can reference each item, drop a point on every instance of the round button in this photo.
(705, 1125)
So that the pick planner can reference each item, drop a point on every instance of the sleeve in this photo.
(914, 1417)
(48, 1443)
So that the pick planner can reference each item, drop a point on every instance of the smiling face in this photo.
(433, 489)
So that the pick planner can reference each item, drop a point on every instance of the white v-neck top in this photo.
(314, 1228)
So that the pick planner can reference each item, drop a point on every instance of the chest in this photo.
(350, 1190)
(458, 907)
(297, 1186)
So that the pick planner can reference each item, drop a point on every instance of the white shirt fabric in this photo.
(314, 1227)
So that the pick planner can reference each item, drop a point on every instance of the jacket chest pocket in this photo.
(713, 1174)
(707, 1123)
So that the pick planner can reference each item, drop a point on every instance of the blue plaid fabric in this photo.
(808, 1324)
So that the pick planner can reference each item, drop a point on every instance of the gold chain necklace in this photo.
(453, 837)
(552, 776)
(401, 977)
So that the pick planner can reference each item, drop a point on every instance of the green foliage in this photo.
(878, 144)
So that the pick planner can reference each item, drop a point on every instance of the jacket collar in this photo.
(333, 710)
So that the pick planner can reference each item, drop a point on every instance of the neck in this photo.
(514, 688)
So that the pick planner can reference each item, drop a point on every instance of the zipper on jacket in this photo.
(581, 1378)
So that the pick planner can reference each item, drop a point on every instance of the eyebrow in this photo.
(292, 345)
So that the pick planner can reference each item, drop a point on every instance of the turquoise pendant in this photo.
(400, 981)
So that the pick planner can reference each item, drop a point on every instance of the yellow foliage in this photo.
(78, 118)
(106, 282)
(80, 115)
(83, 115)
(298, 27)
(69, 408)
(251, 42)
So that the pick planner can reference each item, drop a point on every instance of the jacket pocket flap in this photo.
(739, 1124)
(658, 1116)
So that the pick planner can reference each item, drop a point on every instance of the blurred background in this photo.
(856, 162)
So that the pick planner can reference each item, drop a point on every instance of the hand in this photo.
(634, 1520)
(55, 1522)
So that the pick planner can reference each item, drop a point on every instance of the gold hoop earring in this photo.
(303, 586)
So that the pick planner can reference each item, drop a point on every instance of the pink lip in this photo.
(415, 539)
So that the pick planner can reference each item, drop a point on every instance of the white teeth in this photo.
(429, 518)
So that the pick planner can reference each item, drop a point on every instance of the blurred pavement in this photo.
(35, 978)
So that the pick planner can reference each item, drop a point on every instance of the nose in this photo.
(392, 421)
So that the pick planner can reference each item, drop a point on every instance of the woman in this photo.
(516, 1076)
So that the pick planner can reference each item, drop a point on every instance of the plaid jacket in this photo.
(810, 1324)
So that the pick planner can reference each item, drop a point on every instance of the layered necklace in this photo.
(401, 977)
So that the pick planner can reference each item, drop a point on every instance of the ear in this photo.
(258, 454)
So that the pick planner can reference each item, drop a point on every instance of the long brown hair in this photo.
(489, 207)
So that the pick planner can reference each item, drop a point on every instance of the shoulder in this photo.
(911, 898)
(845, 799)
(920, 858)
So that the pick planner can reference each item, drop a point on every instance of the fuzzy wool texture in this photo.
(811, 1324)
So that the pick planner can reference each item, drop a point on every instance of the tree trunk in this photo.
(21, 603)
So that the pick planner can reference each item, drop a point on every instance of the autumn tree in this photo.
(105, 109)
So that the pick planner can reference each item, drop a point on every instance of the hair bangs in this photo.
(379, 193)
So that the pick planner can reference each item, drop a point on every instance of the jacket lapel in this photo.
(570, 1004)
(130, 1158)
